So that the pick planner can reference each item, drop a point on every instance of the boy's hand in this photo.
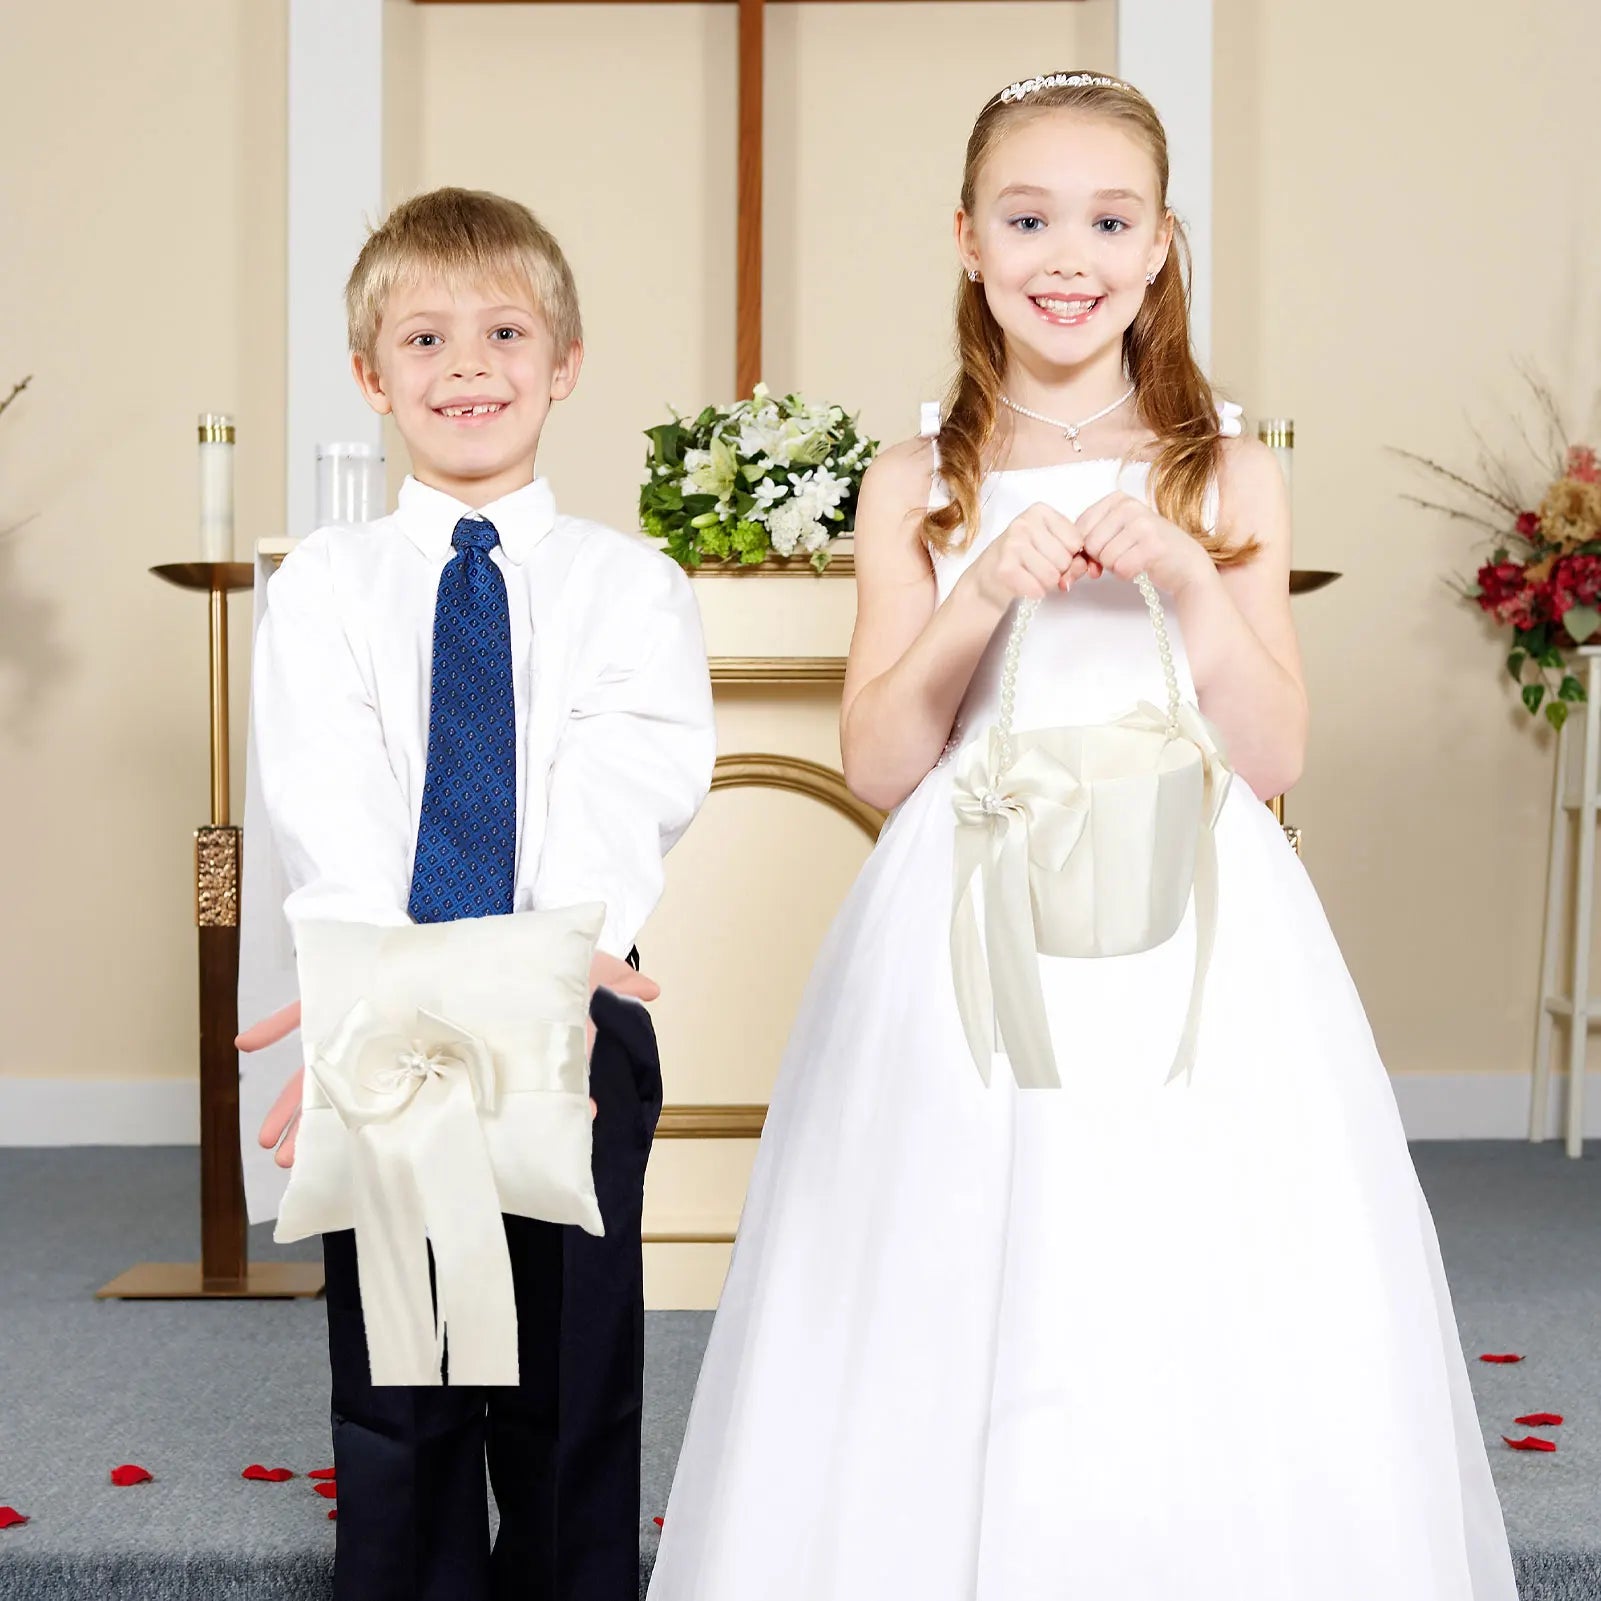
(605, 971)
(285, 1113)
(612, 973)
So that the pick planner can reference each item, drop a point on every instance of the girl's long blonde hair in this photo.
(1172, 394)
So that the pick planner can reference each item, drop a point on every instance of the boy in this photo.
(478, 705)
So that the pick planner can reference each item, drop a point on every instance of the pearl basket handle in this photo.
(1014, 652)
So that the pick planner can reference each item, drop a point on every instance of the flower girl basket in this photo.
(447, 1082)
(1088, 841)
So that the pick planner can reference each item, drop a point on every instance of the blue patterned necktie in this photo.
(467, 837)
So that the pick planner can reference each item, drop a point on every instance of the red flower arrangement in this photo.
(1543, 576)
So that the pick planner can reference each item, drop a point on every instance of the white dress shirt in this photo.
(614, 733)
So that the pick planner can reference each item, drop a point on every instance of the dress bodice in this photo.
(1090, 654)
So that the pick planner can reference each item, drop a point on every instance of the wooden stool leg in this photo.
(1584, 897)
(1555, 882)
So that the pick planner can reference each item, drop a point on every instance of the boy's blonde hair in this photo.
(464, 236)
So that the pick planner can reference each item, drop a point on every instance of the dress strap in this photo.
(928, 425)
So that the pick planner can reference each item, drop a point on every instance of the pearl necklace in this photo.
(1070, 430)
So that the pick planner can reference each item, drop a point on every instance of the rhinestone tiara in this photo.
(1062, 80)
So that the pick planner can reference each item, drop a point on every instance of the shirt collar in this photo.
(428, 517)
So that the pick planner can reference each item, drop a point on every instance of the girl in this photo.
(1184, 1341)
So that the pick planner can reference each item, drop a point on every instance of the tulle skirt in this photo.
(1123, 1339)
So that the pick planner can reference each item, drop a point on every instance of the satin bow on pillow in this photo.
(447, 1083)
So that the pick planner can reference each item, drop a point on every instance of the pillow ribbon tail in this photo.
(425, 1176)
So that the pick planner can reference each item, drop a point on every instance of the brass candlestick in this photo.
(1303, 580)
(224, 1271)
(1278, 434)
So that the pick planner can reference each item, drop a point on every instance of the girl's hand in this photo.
(1038, 551)
(1128, 537)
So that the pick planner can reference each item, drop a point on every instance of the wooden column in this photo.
(748, 294)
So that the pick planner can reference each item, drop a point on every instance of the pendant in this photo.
(1072, 433)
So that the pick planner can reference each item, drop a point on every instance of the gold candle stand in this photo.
(1303, 580)
(224, 1271)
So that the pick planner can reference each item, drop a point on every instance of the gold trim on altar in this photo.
(800, 777)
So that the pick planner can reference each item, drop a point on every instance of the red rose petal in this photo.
(333, 1513)
(1529, 1443)
(131, 1473)
(320, 1473)
(268, 1475)
(10, 1517)
(1540, 1420)
(661, 1523)
(1505, 1356)
(330, 1491)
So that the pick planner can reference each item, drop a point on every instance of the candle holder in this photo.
(224, 1271)
(350, 483)
(1278, 434)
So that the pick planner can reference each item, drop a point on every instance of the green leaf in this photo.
(1551, 658)
(666, 444)
(1570, 688)
(1514, 665)
(1533, 694)
(1581, 622)
(1472, 591)
(1556, 714)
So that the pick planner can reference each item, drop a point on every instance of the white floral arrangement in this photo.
(763, 477)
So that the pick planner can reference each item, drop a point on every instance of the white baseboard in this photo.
(99, 1111)
(1486, 1106)
(166, 1111)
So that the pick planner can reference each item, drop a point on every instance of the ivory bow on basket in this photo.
(446, 1084)
(1087, 842)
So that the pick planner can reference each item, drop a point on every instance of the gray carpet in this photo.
(196, 1392)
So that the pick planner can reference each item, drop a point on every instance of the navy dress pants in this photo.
(562, 1446)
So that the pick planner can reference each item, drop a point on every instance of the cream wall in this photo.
(1400, 219)
(639, 185)
(141, 281)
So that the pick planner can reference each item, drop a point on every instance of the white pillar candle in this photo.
(216, 487)
(1278, 434)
